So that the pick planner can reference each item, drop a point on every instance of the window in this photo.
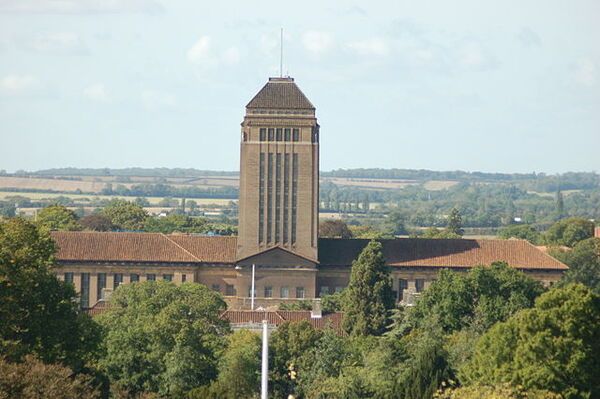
(270, 198)
(278, 134)
(268, 292)
(134, 278)
(168, 277)
(286, 195)
(183, 278)
(286, 134)
(277, 197)
(151, 277)
(216, 287)
(271, 134)
(69, 278)
(118, 280)
(250, 291)
(229, 290)
(85, 290)
(402, 285)
(315, 135)
(324, 290)
(300, 292)
(261, 199)
(263, 134)
(101, 285)
(296, 135)
(294, 195)
(284, 292)
(419, 284)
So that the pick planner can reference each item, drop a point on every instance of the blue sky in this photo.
(510, 86)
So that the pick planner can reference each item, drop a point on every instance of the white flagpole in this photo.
(264, 375)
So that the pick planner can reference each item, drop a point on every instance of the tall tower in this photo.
(279, 172)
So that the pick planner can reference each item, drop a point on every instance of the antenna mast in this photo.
(281, 57)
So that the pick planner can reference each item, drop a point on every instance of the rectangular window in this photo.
(151, 277)
(286, 195)
(69, 277)
(118, 280)
(402, 285)
(250, 291)
(134, 278)
(261, 199)
(183, 278)
(85, 290)
(101, 285)
(287, 134)
(268, 292)
(229, 290)
(263, 134)
(300, 292)
(216, 287)
(294, 195)
(278, 134)
(315, 135)
(278, 197)
(284, 292)
(271, 134)
(270, 198)
(296, 135)
(419, 284)
(324, 290)
(168, 277)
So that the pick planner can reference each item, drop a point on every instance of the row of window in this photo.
(284, 292)
(117, 281)
(279, 134)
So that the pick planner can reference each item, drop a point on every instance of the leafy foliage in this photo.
(125, 215)
(162, 338)
(500, 391)
(584, 263)
(570, 231)
(521, 231)
(57, 217)
(334, 229)
(96, 222)
(551, 346)
(368, 298)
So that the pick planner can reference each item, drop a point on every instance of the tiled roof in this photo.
(441, 253)
(280, 93)
(174, 248)
(278, 317)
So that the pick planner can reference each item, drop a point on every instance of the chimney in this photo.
(316, 312)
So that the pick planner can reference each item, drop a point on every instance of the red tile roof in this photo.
(280, 93)
(160, 248)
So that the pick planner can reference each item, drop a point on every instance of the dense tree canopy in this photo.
(125, 215)
(521, 231)
(334, 229)
(96, 222)
(38, 313)
(159, 337)
(368, 299)
(570, 231)
(57, 217)
(584, 263)
(552, 346)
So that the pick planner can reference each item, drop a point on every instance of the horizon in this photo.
(165, 83)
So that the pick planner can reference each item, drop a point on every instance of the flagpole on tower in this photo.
(281, 56)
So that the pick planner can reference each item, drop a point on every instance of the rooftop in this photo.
(280, 93)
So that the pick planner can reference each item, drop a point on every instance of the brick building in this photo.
(278, 227)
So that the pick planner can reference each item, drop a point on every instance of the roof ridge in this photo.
(182, 248)
(544, 253)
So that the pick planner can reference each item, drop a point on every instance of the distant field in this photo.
(50, 184)
(435, 185)
(83, 197)
(552, 195)
(382, 184)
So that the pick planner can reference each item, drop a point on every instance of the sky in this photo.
(496, 86)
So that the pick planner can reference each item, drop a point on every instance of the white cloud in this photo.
(317, 42)
(154, 100)
(96, 92)
(80, 6)
(586, 72)
(17, 84)
(231, 56)
(373, 46)
(65, 43)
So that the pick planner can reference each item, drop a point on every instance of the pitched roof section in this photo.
(281, 93)
(441, 253)
(142, 247)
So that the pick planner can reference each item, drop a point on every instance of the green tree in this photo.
(432, 232)
(176, 223)
(584, 263)
(397, 221)
(521, 231)
(552, 346)
(57, 217)
(162, 338)
(368, 299)
(125, 215)
(455, 222)
(560, 205)
(32, 379)
(96, 222)
(288, 344)
(334, 229)
(39, 313)
(500, 391)
(569, 231)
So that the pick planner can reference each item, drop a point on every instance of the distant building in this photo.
(278, 227)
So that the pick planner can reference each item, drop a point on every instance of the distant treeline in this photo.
(166, 190)
(140, 172)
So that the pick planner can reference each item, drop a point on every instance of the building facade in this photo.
(278, 230)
